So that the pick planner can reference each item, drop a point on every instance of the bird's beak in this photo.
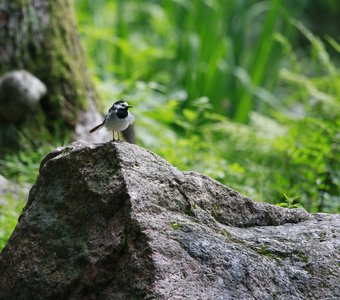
(129, 106)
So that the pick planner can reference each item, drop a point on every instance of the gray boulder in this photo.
(115, 221)
(20, 93)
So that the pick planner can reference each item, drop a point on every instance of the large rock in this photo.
(115, 221)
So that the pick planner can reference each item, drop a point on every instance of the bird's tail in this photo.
(97, 127)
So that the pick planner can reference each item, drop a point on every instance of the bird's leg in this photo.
(113, 136)
(118, 136)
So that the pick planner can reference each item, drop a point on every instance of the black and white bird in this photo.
(117, 119)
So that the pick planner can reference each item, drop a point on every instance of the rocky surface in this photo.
(115, 221)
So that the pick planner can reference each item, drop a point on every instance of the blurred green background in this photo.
(245, 91)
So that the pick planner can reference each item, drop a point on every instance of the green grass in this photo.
(203, 47)
(10, 209)
(22, 166)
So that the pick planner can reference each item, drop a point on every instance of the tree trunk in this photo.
(40, 36)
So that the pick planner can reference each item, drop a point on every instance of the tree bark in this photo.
(40, 36)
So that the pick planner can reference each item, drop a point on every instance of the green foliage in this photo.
(186, 65)
(290, 202)
(10, 209)
(217, 49)
(175, 226)
(22, 166)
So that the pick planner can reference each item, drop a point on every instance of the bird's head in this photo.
(120, 108)
(121, 105)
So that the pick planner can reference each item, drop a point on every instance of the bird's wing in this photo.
(97, 127)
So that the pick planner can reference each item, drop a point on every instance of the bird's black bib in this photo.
(122, 113)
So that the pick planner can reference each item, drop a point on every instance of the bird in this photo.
(117, 119)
